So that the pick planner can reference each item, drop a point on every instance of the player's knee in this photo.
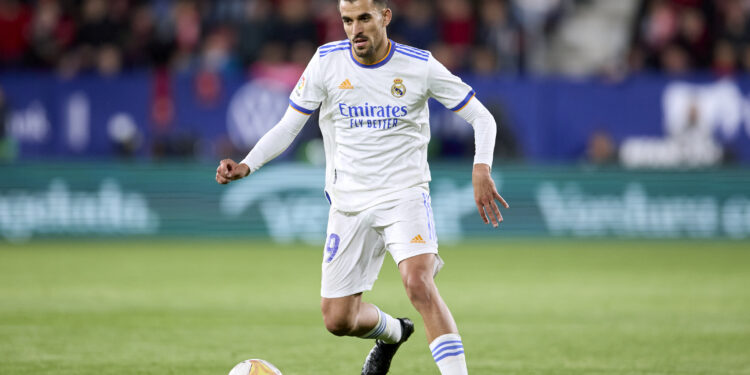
(420, 289)
(339, 316)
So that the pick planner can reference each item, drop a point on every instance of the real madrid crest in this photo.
(398, 89)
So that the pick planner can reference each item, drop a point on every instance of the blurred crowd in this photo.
(279, 36)
(276, 38)
(681, 36)
(72, 36)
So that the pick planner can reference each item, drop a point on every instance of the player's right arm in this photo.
(271, 145)
(305, 98)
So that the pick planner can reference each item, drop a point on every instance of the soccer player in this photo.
(372, 94)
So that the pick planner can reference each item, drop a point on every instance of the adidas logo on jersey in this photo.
(346, 85)
(418, 239)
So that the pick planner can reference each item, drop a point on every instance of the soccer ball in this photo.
(254, 367)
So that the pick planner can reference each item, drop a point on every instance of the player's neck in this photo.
(380, 53)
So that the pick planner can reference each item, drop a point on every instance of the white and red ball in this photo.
(254, 367)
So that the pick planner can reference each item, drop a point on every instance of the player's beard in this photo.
(365, 53)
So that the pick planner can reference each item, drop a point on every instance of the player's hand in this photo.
(228, 171)
(485, 195)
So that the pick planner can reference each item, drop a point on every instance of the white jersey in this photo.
(375, 119)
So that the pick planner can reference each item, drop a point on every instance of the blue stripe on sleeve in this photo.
(416, 51)
(303, 110)
(336, 44)
(408, 53)
(326, 52)
(463, 102)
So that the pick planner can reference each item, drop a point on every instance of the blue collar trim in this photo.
(391, 51)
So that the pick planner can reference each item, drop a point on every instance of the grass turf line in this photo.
(523, 307)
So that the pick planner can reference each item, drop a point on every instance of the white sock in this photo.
(388, 329)
(448, 353)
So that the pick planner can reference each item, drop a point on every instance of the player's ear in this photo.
(387, 15)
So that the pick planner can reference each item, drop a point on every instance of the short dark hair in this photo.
(380, 3)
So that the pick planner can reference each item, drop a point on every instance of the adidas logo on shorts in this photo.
(418, 239)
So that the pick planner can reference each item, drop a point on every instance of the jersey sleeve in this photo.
(309, 92)
(447, 88)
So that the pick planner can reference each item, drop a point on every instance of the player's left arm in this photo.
(485, 191)
(457, 96)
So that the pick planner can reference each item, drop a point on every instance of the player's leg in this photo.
(349, 316)
(417, 273)
(353, 256)
(412, 241)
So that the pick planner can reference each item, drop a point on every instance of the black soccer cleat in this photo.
(378, 362)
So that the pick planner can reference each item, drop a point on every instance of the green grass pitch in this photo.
(523, 307)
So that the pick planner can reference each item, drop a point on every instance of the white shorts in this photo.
(356, 242)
